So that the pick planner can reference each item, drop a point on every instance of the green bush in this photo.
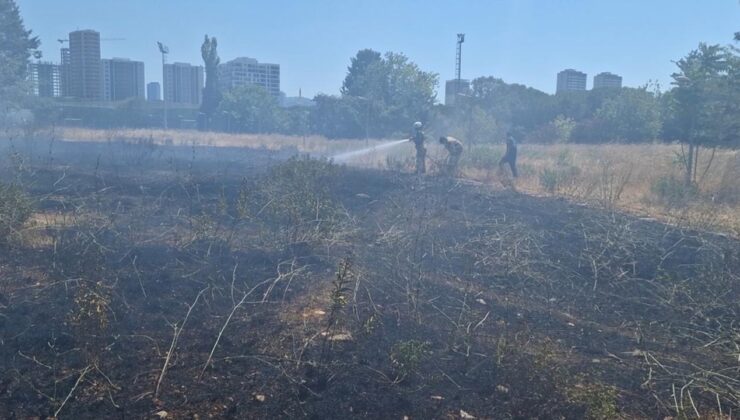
(549, 180)
(407, 355)
(297, 198)
(672, 191)
(599, 401)
(483, 157)
(564, 158)
(15, 209)
(554, 179)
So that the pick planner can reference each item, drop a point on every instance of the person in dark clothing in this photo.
(510, 155)
(421, 152)
(454, 151)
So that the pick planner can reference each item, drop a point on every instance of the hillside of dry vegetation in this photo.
(243, 283)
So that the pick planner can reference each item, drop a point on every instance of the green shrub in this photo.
(407, 355)
(554, 179)
(599, 401)
(15, 209)
(483, 157)
(549, 180)
(564, 158)
(672, 191)
(296, 197)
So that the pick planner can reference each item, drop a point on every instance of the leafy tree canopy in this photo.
(249, 109)
(17, 46)
(392, 91)
(211, 93)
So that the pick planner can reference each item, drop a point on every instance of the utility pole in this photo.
(458, 63)
(164, 50)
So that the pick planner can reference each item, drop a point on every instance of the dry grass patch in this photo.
(643, 179)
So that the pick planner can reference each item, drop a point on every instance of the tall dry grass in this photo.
(628, 177)
(617, 176)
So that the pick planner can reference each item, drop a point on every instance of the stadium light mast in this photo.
(164, 50)
(458, 63)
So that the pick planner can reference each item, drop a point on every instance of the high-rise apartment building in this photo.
(569, 80)
(64, 72)
(607, 80)
(85, 78)
(122, 79)
(248, 71)
(183, 83)
(45, 79)
(153, 92)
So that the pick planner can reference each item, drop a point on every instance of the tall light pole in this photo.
(164, 50)
(458, 63)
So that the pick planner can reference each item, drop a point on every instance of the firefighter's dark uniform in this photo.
(510, 156)
(421, 151)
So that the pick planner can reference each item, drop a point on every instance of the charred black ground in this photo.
(295, 288)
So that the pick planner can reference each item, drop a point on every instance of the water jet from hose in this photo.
(343, 157)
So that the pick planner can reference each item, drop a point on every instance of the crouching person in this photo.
(454, 151)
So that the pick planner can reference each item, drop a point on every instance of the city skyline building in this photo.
(45, 78)
(122, 79)
(153, 92)
(607, 80)
(571, 80)
(243, 71)
(85, 78)
(64, 72)
(183, 83)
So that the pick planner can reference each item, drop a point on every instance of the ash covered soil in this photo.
(157, 281)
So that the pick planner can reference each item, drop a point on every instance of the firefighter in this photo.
(454, 150)
(510, 155)
(421, 152)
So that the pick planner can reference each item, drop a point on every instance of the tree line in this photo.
(383, 94)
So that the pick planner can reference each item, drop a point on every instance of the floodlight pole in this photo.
(164, 50)
(458, 63)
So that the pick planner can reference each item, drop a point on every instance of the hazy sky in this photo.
(522, 41)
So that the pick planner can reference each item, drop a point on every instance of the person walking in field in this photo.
(454, 151)
(510, 155)
(421, 152)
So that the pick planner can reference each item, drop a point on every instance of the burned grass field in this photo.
(180, 282)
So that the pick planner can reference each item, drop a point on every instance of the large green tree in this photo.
(249, 109)
(387, 92)
(704, 102)
(632, 115)
(211, 93)
(17, 46)
(363, 76)
(337, 117)
(513, 105)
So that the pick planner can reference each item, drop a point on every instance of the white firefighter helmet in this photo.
(417, 125)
